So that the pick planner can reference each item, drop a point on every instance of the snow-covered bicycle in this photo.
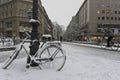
(49, 55)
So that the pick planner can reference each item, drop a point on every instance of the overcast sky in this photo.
(61, 11)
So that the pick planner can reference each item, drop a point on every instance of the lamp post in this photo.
(34, 44)
(35, 24)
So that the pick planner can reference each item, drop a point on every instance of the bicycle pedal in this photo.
(34, 65)
(27, 66)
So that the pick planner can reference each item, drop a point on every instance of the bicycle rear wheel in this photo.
(56, 58)
(115, 46)
(11, 58)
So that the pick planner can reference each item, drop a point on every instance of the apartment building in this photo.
(95, 15)
(14, 18)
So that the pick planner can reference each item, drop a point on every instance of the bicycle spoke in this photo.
(55, 53)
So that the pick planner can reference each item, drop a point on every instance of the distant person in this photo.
(61, 38)
(109, 40)
(110, 36)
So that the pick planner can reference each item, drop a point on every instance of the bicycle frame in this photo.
(34, 58)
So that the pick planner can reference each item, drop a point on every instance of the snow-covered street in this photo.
(83, 63)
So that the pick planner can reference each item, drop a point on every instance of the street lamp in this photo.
(34, 44)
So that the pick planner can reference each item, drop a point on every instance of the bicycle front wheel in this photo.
(56, 58)
(11, 58)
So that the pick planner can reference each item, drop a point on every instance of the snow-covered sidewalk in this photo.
(94, 46)
(78, 67)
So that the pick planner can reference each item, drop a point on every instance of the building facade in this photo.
(14, 18)
(96, 15)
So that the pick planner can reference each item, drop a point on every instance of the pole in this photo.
(34, 44)
(34, 34)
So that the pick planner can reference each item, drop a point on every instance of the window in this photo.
(107, 18)
(3, 14)
(103, 18)
(9, 24)
(98, 12)
(98, 18)
(11, 6)
(111, 18)
(119, 18)
(108, 11)
(6, 14)
(119, 31)
(115, 12)
(11, 13)
(24, 24)
(115, 18)
(103, 11)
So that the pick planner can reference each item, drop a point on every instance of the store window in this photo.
(9, 24)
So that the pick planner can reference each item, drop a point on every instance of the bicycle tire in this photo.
(115, 46)
(11, 58)
(47, 52)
